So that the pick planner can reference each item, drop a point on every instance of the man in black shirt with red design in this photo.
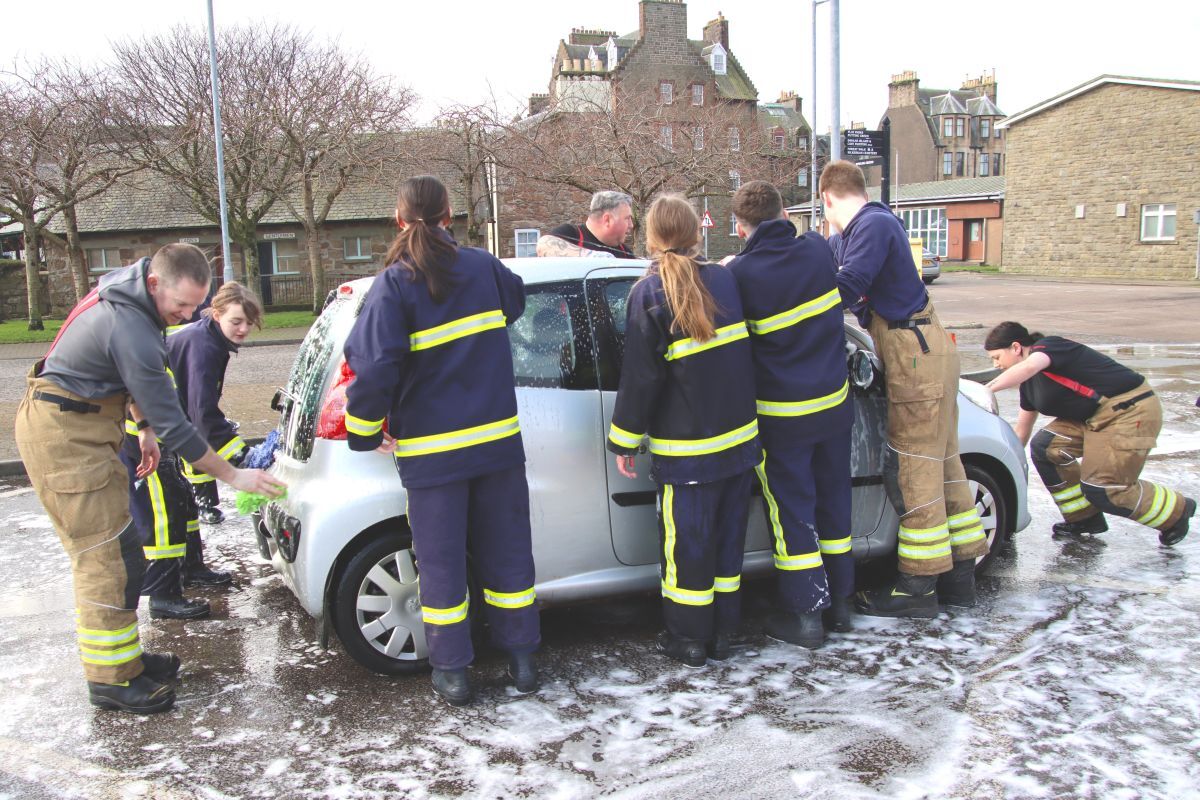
(610, 218)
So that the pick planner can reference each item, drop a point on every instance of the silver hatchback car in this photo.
(340, 537)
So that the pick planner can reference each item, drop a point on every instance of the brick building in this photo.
(1102, 181)
(943, 134)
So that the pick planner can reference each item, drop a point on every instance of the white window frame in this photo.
(985, 128)
(802, 178)
(359, 254)
(780, 140)
(948, 127)
(697, 94)
(698, 137)
(104, 265)
(666, 137)
(717, 60)
(733, 224)
(930, 225)
(527, 248)
(666, 93)
(1159, 214)
(735, 140)
(735, 179)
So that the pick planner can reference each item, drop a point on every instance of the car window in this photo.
(616, 295)
(543, 340)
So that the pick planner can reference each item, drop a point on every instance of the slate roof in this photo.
(946, 104)
(983, 107)
(934, 191)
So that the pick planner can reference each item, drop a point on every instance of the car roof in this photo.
(546, 270)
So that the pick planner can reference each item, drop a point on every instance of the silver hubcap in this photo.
(389, 608)
(985, 504)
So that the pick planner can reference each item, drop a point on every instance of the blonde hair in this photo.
(233, 293)
(672, 237)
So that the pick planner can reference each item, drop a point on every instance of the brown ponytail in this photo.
(1006, 333)
(672, 236)
(422, 204)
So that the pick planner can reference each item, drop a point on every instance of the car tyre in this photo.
(928, 280)
(994, 512)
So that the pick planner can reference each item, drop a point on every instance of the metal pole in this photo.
(227, 273)
(835, 138)
(812, 153)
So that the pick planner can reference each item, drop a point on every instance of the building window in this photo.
(666, 93)
(698, 138)
(356, 248)
(947, 163)
(997, 130)
(958, 126)
(983, 165)
(948, 127)
(1158, 222)
(780, 140)
(666, 137)
(802, 178)
(697, 94)
(716, 59)
(802, 141)
(995, 163)
(735, 140)
(960, 160)
(733, 224)
(526, 242)
(985, 128)
(103, 259)
(735, 179)
(928, 224)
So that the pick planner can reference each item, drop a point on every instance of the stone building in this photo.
(1103, 181)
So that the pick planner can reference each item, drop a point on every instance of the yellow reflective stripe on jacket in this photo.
(770, 408)
(444, 616)
(834, 547)
(110, 657)
(802, 561)
(812, 308)
(102, 637)
(623, 438)
(772, 509)
(670, 577)
(509, 599)
(697, 447)
(723, 335)
(131, 427)
(363, 427)
(455, 440)
(727, 584)
(232, 448)
(687, 597)
(456, 329)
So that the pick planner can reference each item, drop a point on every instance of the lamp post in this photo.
(835, 138)
(227, 272)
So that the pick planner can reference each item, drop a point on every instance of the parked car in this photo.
(931, 266)
(340, 538)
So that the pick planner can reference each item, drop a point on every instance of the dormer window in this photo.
(592, 56)
(612, 52)
(948, 127)
(985, 128)
(716, 59)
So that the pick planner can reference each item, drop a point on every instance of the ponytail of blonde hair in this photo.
(672, 237)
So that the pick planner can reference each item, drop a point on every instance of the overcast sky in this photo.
(461, 51)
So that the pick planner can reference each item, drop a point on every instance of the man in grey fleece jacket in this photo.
(109, 356)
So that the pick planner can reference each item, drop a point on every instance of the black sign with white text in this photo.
(865, 148)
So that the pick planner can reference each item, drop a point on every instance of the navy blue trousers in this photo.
(702, 536)
(806, 491)
(487, 517)
(165, 516)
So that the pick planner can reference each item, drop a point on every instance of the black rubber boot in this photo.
(211, 515)
(522, 668)
(160, 667)
(911, 596)
(804, 630)
(208, 499)
(1084, 527)
(178, 607)
(719, 648)
(453, 686)
(1174, 534)
(141, 695)
(203, 576)
(957, 587)
(688, 652)
(837, 617)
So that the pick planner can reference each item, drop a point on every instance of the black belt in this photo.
(67, 404)
(1133, 401)
(913, 325)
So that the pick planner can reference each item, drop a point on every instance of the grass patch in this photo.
(288, 319)
(982, 268)
(16, 331)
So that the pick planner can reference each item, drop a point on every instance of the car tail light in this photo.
(331, 424)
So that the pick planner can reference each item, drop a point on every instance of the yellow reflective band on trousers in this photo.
(724, 335)
(802, 561)
(110, 657)
(966, 528)
(444, 616)
(923, 544)
(772, 509)
(509, 599)
(698, 447)
(623, 438)
(231, 448)
(770, 408)
(106, 638)
(1071, 499)
(670, 573)
(834, 547)
(729, 584)
(687, 597)
(1161, 509)
(455, 440)
(456, 329)
(162, 547)
(812, 308)
(363, 427)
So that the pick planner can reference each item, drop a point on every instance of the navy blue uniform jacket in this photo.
(878, 274)
(694, 399)
(794, 313)
(441, 373)
(198, 354)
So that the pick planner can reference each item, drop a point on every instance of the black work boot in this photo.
(140, 695)
(453, 686)
(719, 648)
(1084, 527)
(957, 587)
(804, 630)
(177, 607)
(203, 576)
(911, 596)
(160, 667)
(211, 515)
(837, 616)
(688, 652)
(1174, 534)
(522, 668)
(208, 499)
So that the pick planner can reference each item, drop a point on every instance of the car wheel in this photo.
(928, 280)
(377, 607)
(993, 511)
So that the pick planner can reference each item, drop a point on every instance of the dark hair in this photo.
(843, 179)
(757, 202)
(672, 239)
(422, 204)
(1004, 334)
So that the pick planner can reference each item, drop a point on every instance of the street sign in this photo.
(706, 221)
(865, 148)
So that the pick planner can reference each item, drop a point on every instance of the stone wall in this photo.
(13, 293)
(1114, 145)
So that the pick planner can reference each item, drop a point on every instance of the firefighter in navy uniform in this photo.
(199, 355)
(431, 357)
(1107, 420)
(794, 314)
(941, 534)
(687, 381)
